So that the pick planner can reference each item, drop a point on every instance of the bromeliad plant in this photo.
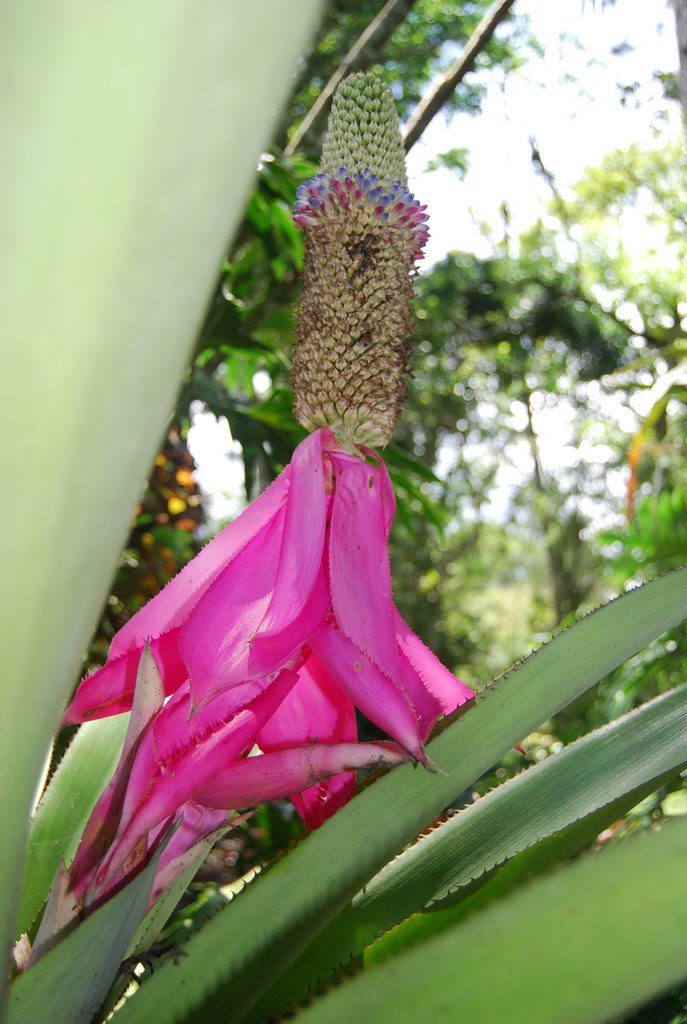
(285, 623)
(242, 680)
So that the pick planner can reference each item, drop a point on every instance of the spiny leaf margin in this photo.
(591, 773)
(555, 972)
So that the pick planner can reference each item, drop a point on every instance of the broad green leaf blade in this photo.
(582, 945)
(70, 982)
(248, 945)
(535, 860)
(130, 136)
(64, 808)
(434, 512)
(596, 771)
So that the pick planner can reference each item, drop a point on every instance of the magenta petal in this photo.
(380, 698)
(216, 639)
(272, 597)
(316, 710)
(302, 546)
(197, 823)
(319, 802)
(387, 488)
(359, 562)
(448, 691)
(180, 751)
(172, 605)
(254, 780)
(270, 651)
(110, 690)
(106, 815)
(179, 755)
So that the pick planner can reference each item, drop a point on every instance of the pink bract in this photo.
(298, 587)
(177, 779)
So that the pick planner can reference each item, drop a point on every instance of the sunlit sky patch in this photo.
(569, 101)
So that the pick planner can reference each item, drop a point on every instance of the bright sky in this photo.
(568, 100)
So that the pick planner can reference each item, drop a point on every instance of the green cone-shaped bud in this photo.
(363, 132)
(363, 234)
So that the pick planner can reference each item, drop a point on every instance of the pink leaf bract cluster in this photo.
(271, 637)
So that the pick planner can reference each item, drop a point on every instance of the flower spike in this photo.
(364, 231)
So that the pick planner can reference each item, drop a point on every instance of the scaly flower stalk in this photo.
(363, 233)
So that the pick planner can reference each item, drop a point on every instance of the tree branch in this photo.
(432, 104)
(371, 40)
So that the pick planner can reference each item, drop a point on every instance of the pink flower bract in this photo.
(298, 584)
(177, 780)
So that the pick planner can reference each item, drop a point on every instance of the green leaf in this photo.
(247, 946)
(409, 465)
(64, 808)
(71, 981)
(118, 201)
(593, 773)
(584, 944)
(535, 860)
(432, 511)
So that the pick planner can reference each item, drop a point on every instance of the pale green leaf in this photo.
(71, 981)
(155, 920)
(535, 860)
(187, 866)
(130, 135)
(65, 807)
